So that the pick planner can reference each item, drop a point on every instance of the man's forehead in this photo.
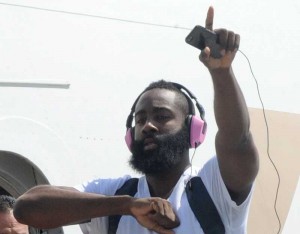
(5, 217)
(157, 97)
(8, 224)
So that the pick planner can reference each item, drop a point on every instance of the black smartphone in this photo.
(201, 37)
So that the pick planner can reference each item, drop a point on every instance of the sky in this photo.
(108, 51)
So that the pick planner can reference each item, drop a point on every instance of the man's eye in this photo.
(140, 120)
(162, 117)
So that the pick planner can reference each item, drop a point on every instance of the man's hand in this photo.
(228, 41)
(155, 214)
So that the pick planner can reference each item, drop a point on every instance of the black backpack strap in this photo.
(199, 199)
(128, 188)
(203, 207)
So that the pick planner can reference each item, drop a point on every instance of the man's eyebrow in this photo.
(159, 109)
(155, 110)
(140, 112)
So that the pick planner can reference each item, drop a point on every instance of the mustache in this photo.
(155, 136)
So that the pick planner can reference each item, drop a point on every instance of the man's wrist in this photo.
(125, 207)
(215, 72)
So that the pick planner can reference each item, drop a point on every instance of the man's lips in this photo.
(149, 143)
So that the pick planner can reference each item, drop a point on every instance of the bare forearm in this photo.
(230, 107)
(50, 207)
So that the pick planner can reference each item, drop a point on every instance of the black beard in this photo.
(168, 153)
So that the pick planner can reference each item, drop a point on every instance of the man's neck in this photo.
(162, 184)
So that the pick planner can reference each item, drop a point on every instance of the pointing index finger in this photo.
(209, 18)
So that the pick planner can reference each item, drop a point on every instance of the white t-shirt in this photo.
(234, 217)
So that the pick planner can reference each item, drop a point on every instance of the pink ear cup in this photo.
(197, 131)
(128, 138)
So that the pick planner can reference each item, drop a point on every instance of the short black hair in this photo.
(183, 100)
(6, 203)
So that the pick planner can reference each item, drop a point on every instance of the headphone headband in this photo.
(191, 96)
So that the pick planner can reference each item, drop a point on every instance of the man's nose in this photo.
(149, 127)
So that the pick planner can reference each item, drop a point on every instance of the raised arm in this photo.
(48, 207)
(236, 152)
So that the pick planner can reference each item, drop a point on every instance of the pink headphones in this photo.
(197, 125)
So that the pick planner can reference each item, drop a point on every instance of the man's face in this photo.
(161, 138)
(9, 225)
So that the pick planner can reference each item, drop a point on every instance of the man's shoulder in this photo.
(106, 186)
(209, 166)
